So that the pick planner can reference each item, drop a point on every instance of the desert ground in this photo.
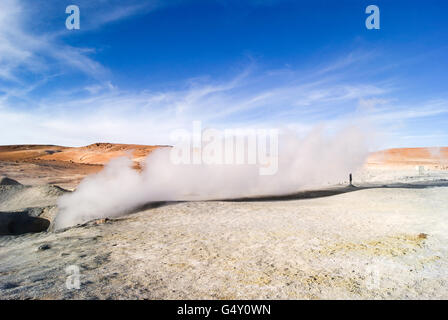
(63, 166)
(383, 238)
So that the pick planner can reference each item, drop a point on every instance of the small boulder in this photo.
(44, 247)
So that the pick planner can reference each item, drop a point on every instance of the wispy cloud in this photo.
(26, 56)
(112, 14)
(106, 113)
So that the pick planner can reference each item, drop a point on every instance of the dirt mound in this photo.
(5, 181)
(18, 197)
(25, 209)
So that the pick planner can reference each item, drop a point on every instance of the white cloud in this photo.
(111, 114)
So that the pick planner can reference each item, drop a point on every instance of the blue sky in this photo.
(137, 70)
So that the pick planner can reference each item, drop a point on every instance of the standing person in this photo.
(351, 179)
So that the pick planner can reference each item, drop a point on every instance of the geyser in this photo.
(303, 162)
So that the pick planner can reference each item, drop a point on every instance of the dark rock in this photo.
(44, 247)
(5, 181)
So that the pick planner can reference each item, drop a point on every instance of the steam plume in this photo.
(315, 160)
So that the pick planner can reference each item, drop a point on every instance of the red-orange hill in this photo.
(96, 154)
(101, 153)
(436, 157)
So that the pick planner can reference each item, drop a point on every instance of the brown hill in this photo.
(435, 157)
(94, 154)
(65, 166)
(27, 152)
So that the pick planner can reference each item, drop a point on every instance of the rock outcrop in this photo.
(5, 181)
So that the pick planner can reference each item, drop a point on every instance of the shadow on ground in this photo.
(16, 223)
(327, 192)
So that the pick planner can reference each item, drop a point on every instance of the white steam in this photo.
(312, 161)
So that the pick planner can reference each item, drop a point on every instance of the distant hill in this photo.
(94, 154)
(434, 157)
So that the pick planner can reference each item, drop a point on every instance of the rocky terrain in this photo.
(384, 238)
